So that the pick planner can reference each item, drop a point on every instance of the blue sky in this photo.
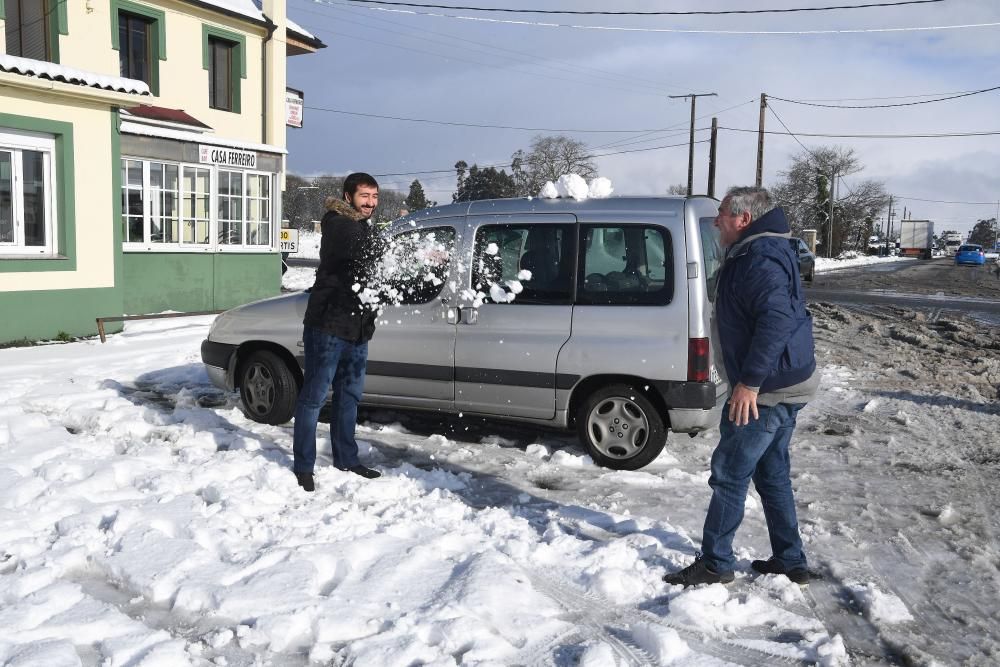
(417, 66)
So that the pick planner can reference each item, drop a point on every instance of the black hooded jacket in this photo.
(350, 248)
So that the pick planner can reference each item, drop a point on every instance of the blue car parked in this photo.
(970, 254)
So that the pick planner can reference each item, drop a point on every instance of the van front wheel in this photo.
(620, 428)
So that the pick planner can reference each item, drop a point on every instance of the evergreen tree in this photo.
(486, 183)
(416, 200)
(984, 233)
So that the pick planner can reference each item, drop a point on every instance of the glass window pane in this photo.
(627, 265)
(223, 188)
(134, 172)
(169, 207)
(134, 229)
(170, 234)
(6, 197)
(33, 186)
(504, 253)
(203, 178)
(201, 207)
(170, 181)
(134, 203)
(156, 175)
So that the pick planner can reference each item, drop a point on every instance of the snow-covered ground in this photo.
(145, 521)
(827, 264)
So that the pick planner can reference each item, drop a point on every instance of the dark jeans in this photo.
(757, 451)
(329, 360)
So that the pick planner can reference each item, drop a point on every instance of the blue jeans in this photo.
(329, 360)
(757, 451)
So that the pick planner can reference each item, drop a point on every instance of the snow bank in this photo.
(826, 264)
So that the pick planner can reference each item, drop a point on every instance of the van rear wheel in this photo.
(620, 427)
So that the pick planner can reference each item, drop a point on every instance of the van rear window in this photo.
(627, 265)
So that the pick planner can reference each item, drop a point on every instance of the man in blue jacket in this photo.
(765, 341)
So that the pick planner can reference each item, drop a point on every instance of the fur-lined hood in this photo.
(341, 207)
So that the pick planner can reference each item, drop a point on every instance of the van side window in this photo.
(423, 258)
(503, 252)
(627, 265)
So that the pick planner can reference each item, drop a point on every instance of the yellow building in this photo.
(142, 157)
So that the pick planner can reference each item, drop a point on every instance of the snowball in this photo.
(600, 188)
(492, 249)
(572, 185)
(664, 644)
(499, 294)
(548, 191)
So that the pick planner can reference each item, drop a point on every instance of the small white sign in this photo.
(288, 240)
(293, 107)
(227, 157)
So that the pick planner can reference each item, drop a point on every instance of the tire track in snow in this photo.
(606, 622)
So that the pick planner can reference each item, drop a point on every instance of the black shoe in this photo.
(305, 480)
(799, 575)
(697, 573)
(367, 473)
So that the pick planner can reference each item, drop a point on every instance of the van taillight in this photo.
(697, 360)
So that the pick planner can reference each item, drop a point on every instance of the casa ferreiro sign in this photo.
(227, 157)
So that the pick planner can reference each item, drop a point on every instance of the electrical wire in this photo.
(885, 106)
(651, 13)
(482, 125)
(942, 135)
(692, 31)
(561, 65)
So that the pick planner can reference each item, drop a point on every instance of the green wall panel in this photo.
(43, 314)
(187, 282)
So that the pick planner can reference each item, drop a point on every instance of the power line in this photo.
(654, 13)
(484, 125)
(942, 135)
(563, 65)
(944, 201)
(691, 31)
(890, 97)
(884, 106)
(507, 164)
(816, 157)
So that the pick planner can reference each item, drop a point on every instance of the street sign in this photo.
(288, 241)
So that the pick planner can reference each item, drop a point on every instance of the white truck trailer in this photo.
(916, 238)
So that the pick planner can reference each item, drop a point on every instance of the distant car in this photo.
(807, 260)
(991, 254)
(970, 254)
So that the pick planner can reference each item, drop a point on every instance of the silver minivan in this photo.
(609, 336)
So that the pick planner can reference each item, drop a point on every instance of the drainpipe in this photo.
(271, 27)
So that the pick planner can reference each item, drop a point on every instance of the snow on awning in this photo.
(46, 70)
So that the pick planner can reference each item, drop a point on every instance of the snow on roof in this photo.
(141, 129)
(54, 72)
(252, 9)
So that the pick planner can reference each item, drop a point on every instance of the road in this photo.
(925, 284)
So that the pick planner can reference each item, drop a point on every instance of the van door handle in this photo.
(468, 315)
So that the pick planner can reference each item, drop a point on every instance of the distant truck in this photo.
(951, 242)
(916, 238)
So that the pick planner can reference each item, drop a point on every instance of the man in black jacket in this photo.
(338, 326)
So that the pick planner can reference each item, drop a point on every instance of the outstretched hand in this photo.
(742, 404)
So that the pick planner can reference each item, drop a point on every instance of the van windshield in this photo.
(711, 253)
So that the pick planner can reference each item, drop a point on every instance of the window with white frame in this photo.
(180, 206)
(258, 209)
(195, 220)
(230, 193)
(27, 187)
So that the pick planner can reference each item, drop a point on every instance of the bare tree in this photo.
(547, 160)
(804, 192)
(678, 189)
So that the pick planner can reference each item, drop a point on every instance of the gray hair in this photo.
(748, 198)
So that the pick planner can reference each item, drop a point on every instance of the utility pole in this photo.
(760, 141)
(693, 96)
(711, 156)
(829, 232)
(888, 224)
